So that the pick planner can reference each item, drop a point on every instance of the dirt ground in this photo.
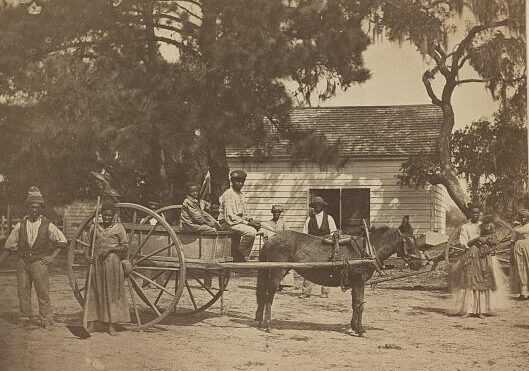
(408, 328)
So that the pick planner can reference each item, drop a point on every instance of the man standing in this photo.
(318, 224)
(233, 214)
(37, 242)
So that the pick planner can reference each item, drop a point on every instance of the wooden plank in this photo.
(171, 262)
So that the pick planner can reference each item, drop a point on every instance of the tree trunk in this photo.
(212, 112)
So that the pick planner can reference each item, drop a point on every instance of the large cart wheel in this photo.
(154, 271)
(203, 287)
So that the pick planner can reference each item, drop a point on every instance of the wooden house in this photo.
(372, 143)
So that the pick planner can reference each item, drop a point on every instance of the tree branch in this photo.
(467, 40)
(174, 29)
(466, 81)
(178, 44)
(426, 77)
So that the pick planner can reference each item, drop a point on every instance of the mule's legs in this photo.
(274, 280)
(357, 302)
(261, 294)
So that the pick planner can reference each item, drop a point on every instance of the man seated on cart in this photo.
(233, 214)
(193, 218)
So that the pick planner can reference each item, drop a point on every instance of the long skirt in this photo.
(108, 301)
(520, 266)
(478, 284)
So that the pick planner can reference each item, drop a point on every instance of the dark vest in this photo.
(42, 245)
(313, 226)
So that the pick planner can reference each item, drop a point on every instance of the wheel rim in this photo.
(198, 295)
(156, 274)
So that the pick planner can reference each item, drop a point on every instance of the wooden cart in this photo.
(171, 272)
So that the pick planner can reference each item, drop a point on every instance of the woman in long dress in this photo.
(480, 282)
(108, 302)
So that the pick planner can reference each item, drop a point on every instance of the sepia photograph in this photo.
(264, 185)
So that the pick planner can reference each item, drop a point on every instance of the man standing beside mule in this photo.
(36, 241)
(233, 214)
(318, 224)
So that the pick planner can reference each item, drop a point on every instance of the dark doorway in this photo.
(348, 206)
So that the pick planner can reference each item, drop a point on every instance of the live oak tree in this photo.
(491, 40)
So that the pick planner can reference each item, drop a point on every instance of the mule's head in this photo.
(387, 241)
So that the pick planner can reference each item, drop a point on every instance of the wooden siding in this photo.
(278, 182)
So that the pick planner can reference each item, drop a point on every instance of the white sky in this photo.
(397, 79)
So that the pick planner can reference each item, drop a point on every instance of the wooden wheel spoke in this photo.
(164, 285)
(203, 286)
(145, 298)
(155, 277)
(131, 293)
(146, 238)
(191, 296)
(153, 282)
(152, 254)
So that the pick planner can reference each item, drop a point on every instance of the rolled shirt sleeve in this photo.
(56, 236)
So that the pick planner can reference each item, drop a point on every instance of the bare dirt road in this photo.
(407, 323)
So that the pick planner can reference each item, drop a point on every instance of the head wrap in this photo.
(108, 204)
(34, 196)
(317, 200)
(238, 175)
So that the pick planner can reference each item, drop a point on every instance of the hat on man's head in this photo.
(34, 196)
(276, 209)
(317, 200)
(238, 175)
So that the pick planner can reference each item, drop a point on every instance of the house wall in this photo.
(279, 182)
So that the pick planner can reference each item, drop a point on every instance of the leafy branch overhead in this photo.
(489, 49)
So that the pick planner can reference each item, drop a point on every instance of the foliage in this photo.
(493, 44)
(97, 78)
(493, 159)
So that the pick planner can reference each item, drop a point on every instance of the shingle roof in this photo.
(365, 131)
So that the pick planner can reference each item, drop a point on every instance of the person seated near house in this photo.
(274, 225)
(405, 227)
(233, 214)
(193, 218)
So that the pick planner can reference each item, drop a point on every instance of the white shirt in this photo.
(319, 220)
(469, 231)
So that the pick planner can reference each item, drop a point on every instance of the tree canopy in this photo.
(97, 74)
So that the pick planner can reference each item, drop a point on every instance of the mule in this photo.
(291, 246)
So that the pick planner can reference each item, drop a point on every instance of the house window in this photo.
(348, 206)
